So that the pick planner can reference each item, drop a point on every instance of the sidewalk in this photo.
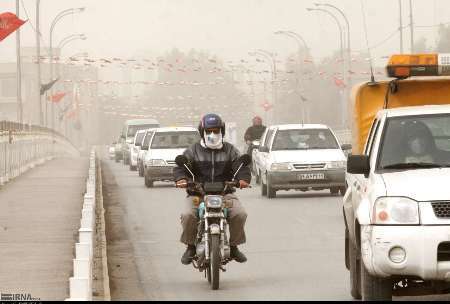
(39, 219)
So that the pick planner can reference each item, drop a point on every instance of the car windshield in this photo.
(303, 139)
(147, 139)
(415, 142)
(174, 140)
(134, 128)
(139, 137)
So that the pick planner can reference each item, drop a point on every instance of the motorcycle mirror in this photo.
(181, 160)
(245, 159)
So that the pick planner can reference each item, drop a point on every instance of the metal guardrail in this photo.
(24, 146)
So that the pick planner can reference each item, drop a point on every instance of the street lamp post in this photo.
(271, 57)
(337, 22)
(343, 98)
(61, 45)
(349, 56)
(301, 42)
(58, 17)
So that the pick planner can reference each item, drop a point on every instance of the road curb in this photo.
(106, 289)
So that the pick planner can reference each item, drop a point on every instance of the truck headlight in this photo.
(395, 211)
(156, 162)
(337, 164)
(280, 167)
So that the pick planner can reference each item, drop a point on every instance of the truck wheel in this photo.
(373, 288)
(263, 188)
(342, 190)
(148, 182)
(355, 271)
(334, 190)
(271, 192)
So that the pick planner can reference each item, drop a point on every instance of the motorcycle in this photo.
(212, 243)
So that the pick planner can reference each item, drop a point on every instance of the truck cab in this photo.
(397, 205)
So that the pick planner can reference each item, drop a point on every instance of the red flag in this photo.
(57, 97)
(338, 82)
(8, 24)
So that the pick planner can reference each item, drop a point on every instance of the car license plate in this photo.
(311, 176)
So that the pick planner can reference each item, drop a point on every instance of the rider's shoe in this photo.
(237, 255)
(188, 255)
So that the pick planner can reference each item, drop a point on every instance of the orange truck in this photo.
(426, 88)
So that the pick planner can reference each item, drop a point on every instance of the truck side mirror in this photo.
(358, 164)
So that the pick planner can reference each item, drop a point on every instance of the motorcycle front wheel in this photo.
(215, 261)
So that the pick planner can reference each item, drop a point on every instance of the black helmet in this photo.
(209, 121)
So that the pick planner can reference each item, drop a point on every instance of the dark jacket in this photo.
(210, 165)
(254, 132)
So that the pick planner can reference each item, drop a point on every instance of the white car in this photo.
(165, 145)
(397, 206)
(143, 151)
(301, 157)
(112, 151)
(135, 147)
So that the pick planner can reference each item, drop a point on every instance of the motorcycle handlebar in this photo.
(234, 184)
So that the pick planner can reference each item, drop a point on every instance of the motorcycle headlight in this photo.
(337, 164)
(280, 167)
(395, 211)
(156, 162)
(213, 201)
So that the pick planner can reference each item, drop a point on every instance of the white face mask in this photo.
(212, 140)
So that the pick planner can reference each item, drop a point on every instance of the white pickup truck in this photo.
(397, 205)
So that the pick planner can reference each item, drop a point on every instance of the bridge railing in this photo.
(24, 146)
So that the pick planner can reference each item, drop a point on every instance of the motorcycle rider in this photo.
(254, 132)
(212, 160)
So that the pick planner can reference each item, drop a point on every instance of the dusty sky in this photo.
(228, 28)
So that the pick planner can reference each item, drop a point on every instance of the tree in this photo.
(443, 41)
(420, 46)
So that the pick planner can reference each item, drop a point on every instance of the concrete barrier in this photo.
(81, 283)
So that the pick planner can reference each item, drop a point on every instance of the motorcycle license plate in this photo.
(311, 176)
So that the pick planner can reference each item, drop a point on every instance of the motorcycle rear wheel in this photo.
(215, 261)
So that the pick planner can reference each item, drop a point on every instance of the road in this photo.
(295, 245)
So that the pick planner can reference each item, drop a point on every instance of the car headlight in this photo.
(337, 164)
(395, 210)
(280, 167)
(156, 162)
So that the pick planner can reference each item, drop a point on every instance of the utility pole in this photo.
(411, 25)
(401, 26)
(38, 55)
(19, 71)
